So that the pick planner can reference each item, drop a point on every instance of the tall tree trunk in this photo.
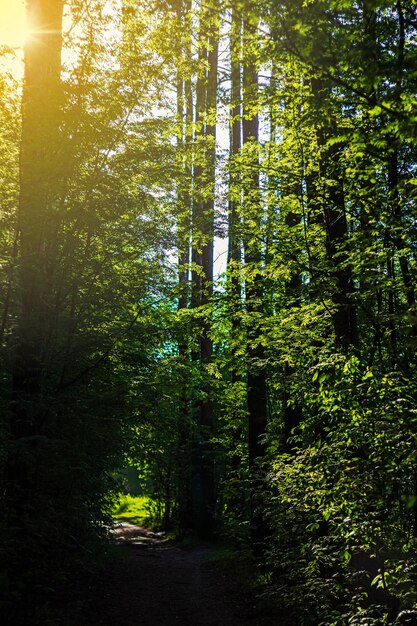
(252, 208)
(207, 514)
(234, 254)
(37, 213)
(397, 227)
(328, 204)
(292, 411)
(185, 120)
(203, 492)
(31, 422)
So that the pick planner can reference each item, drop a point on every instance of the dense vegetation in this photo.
(269, 399)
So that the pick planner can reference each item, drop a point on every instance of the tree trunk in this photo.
(328, 204)
(31, 420)
(185, 120)
(207, 515)
(234, 256)
(203, 492)
(252, 207)
(37, 214)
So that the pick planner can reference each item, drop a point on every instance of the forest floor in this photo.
(156, 582)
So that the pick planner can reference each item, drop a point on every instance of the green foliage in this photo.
(339, 500)
(104, 271)
(318, 299)
(135, 509)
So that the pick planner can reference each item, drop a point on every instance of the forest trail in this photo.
(158, 583)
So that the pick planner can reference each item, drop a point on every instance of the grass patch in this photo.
(135, 509)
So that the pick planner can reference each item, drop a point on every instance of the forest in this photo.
(208, 253)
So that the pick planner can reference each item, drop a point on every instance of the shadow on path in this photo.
(157, 583)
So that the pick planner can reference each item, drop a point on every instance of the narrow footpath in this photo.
(157, 583)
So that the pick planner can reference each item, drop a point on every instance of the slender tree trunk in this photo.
(184, 139)
(329, 205)
(292, 411)
(257, 393)
(397, 223)
(203, 489)
(234, 258)
(207, 515)
(198, 168)
(197, 487)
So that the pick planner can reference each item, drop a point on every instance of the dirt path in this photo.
(159, 584)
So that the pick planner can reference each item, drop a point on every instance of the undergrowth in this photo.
(135, 509)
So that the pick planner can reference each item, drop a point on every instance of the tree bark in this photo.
(328, 205)
(256, 378)
(31, 420)
(39, 174)
(234, 254)
(203, 487)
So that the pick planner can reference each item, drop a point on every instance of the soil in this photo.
(158, 583)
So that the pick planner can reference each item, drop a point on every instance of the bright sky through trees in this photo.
(13, 24)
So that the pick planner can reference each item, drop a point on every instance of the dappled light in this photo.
(208, 315)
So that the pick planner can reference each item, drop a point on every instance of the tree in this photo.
(88, 237)
(279, 397)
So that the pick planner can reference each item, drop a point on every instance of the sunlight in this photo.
(14, 29)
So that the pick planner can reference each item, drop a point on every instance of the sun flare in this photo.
(14, 29)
